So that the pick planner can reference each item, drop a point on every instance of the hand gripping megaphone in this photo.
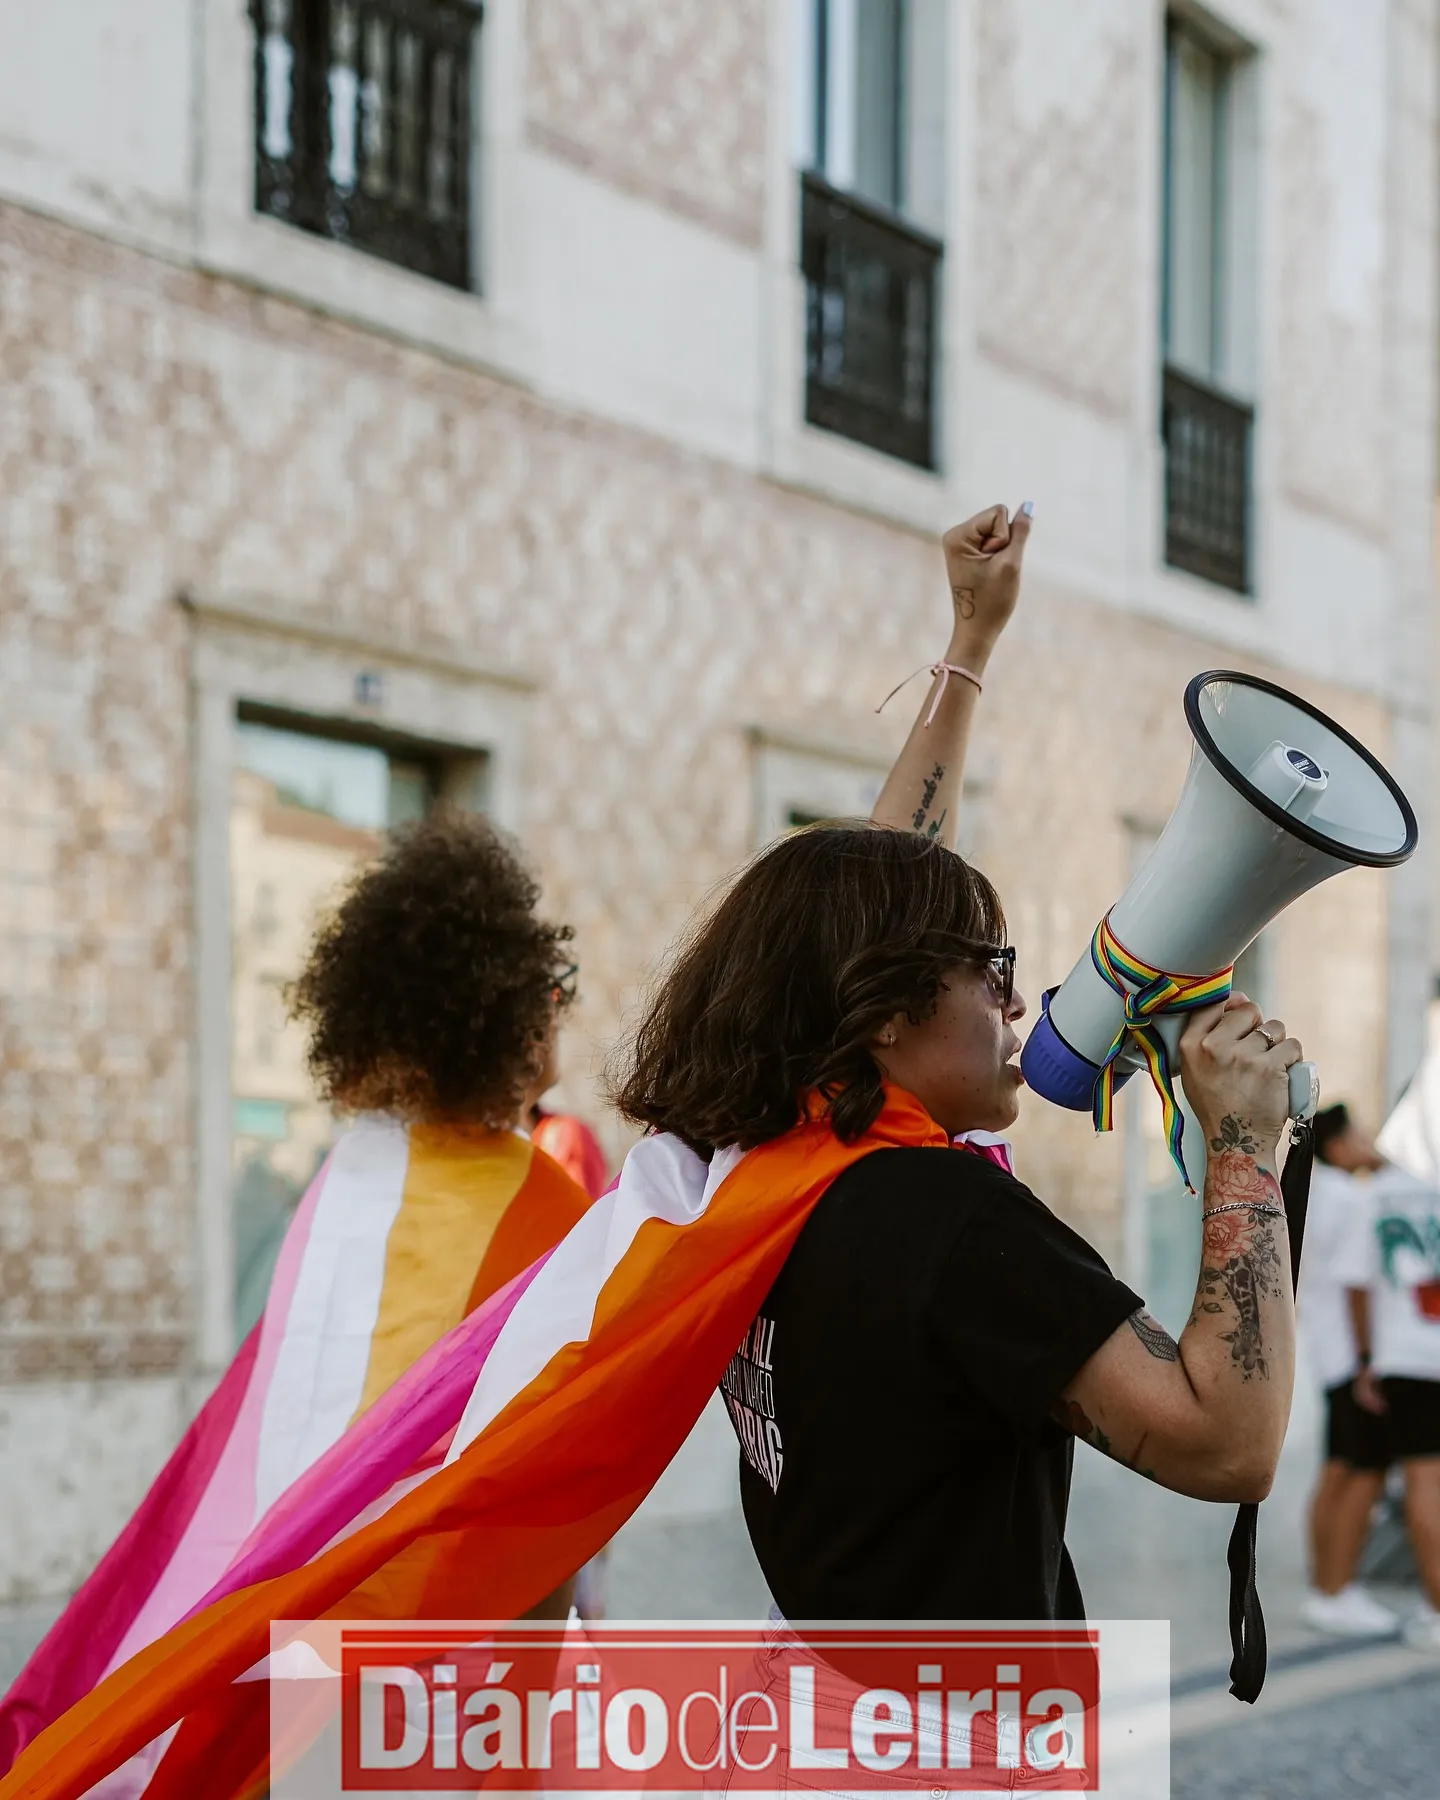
(1278, 799)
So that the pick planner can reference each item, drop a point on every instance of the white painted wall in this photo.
(640, 316)
(1341, 68)
(95, 101)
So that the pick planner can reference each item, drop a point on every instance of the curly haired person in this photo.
(431, 996)
(431, 990)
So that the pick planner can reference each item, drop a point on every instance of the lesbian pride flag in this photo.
(402, 1234)
(490, 1472)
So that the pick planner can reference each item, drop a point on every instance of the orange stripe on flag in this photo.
(542, 1212)
(542, 1487)
(458, 1187)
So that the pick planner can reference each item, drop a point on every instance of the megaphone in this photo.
(1278, 799)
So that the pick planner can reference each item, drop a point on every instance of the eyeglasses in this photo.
(1002, 966)
(566, 984)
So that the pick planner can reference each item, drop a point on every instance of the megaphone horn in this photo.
(1278, 798)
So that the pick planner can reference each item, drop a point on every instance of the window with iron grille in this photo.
(1207, 482)
(362, 125)
(1207, 418)
(871, 271)
(870, 285)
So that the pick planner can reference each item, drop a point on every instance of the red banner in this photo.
(625, 1707)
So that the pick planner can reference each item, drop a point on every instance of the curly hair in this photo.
(780, 989)
(431, 988)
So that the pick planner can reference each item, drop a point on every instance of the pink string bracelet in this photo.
(944, 670)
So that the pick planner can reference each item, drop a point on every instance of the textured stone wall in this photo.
(663, 97)
(94, 1024)
(164, 431)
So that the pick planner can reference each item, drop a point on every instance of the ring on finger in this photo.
(1270, 1042)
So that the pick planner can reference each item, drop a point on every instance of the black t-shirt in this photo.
(893, 1397)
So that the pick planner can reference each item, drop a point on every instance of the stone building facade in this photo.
(571, 535)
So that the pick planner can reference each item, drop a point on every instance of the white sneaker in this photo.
(1421, 1630)
(1351, 1613)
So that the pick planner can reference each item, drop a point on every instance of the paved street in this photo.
(1375, 1742)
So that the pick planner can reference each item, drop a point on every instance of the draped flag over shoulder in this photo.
(562, 1398)
(403, 1232)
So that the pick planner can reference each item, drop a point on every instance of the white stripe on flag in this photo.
(320, 1371)
(661, 1179)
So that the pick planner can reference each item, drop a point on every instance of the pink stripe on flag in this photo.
(994, 1150)
(74, 1653)
(226, 1513)
(380, 1449)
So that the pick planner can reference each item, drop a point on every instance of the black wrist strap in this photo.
(1247, 1621)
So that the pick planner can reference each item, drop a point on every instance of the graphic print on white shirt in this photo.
(1406, 1284)
(749, 1389)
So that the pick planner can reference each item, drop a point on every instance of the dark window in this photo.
(1206, 424)
(1207, 482)
(870, 307)
(871, 287)
(362, 125)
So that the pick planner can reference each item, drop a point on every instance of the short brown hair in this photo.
(1330, 1123)
(781, 987)
(430, 990)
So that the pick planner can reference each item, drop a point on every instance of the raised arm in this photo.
(1207, 1415)
(982, 566)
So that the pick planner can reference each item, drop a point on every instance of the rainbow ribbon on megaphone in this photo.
(1149, 994)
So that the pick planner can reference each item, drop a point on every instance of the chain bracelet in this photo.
(1256, 1206)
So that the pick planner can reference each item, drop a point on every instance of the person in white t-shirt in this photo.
(1401, 1328)
(1335, 1270)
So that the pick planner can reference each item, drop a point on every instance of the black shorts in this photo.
(1412, 1425)
(1353, 1436)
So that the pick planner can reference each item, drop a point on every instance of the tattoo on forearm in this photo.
(1240, 1258)
(964, 601)
(1237, 1279)
(936, 826)
(927, 796)
(1235, 1134)
(1072, 1415)
(1153, 1335)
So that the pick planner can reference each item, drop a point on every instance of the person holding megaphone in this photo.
(908, 1397)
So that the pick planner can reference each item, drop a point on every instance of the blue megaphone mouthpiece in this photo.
(1053, 1070)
